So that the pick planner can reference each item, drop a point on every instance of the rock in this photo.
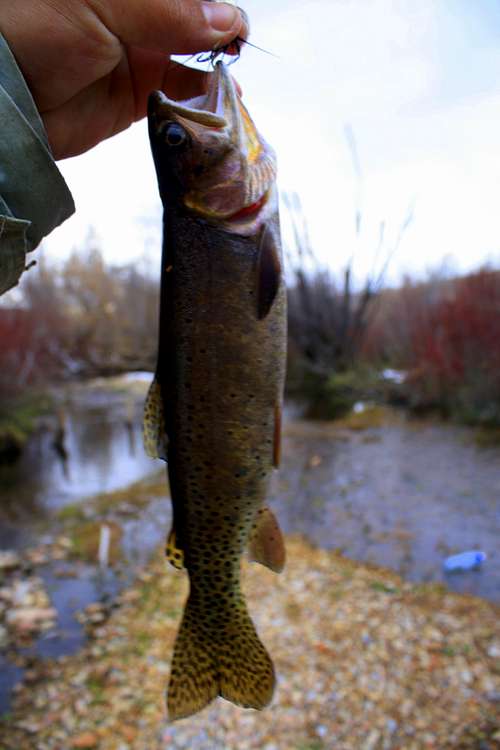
(37, 555)
(466, 676)
(371, 741)
(29, 619)
(32, 727)
(6, 594)
(494, 650)
(66, 573)
(64, 541)
(129, 733)
(127, 509)
(9, 560)
(129, 596)
(85, 740)
(4, 637)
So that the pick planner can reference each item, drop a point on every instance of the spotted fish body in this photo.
(218, 388)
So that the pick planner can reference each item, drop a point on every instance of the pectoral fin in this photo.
(268, 272)
(153, 426)
(266, 544)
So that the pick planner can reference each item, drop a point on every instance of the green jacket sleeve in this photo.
(34, 198)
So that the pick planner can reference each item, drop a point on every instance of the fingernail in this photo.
(220, 16)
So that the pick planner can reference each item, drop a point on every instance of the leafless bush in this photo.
(328, 318)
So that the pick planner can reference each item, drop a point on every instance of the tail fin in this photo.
(207, 662)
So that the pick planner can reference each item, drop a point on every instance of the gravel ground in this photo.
(365, 661)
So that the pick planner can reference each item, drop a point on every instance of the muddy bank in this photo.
(382, 663)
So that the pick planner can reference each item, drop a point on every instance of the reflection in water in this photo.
(96, 447)
(129, 426)
(397, 496)
(98, 451)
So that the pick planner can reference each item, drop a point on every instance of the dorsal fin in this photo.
(268, 271)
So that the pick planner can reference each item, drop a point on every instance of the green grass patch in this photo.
(85, 541)
(487, 437)
(386, 588)
(18, 419)
(72, 512)
(96, 689)
(458, 650)
(142, 642)
(371, 417)
(334, 396)
(138, 494)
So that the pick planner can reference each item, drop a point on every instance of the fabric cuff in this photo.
(34, 198)
(12, 251)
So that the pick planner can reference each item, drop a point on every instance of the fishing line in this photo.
(232, 50)
(236, 44)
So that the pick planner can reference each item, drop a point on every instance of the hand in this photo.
(90, 64)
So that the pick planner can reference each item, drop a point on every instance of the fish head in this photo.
(209, 157)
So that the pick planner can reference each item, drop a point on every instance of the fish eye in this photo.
(174, 134)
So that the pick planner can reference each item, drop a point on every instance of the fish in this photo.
(214, 408)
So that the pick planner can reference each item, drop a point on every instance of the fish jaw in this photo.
(222, 170)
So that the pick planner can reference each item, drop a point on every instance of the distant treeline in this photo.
(87, 318)
(443, 334)
(81, 320)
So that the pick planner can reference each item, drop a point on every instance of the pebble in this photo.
(9, 560)
(4, 637)
(84, 740)
(494, 651)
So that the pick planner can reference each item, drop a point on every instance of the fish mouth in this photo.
(233, 186)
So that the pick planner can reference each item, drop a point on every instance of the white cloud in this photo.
(426, 125)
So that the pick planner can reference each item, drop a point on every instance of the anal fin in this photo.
(266, 544)
(173, 552)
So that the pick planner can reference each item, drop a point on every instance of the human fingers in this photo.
(151, 70)
(173, 26)
(111, 104)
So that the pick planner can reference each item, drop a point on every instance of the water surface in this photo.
(403, 495)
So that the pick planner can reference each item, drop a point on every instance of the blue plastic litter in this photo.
(464, 561)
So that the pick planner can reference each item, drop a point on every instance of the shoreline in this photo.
(383, 663)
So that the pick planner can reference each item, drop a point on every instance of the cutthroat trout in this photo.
(214, 408)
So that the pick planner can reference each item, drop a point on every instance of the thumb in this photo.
(172, 26)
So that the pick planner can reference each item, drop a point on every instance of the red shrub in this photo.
(26, 349)
(446, 334)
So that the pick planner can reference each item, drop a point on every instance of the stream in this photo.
(401, 494)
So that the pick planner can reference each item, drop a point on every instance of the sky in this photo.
(384, 109)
